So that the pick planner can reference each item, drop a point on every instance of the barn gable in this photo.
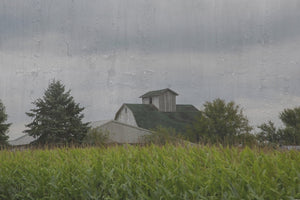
(125, 116)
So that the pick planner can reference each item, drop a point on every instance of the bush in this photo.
(162, 135)
(96, 136)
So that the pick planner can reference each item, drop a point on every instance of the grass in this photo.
(133, 172)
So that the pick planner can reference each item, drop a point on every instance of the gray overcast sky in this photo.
(111, 52)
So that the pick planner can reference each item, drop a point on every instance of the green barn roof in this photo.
(148, 117)
(157, 93)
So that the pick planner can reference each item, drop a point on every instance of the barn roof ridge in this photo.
(157, 93)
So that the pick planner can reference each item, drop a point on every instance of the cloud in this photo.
(93, 27)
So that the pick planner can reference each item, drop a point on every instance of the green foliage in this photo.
(289, 134)
(219, 122)
(57, 119)
(161, 136)
(246, 139)
(268, 133)
(150, 172)
(3, 126)
(291, 121)
(96, 136)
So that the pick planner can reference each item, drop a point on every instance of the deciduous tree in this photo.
(219, 122)
(162, 135)
(268, 133)
(291, 120)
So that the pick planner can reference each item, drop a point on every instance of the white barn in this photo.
(158, 108)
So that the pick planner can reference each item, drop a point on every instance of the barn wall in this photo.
(167, 102)
(155, 101)
(126, 116)
(172, 100)
(121, 133)
(146, 101)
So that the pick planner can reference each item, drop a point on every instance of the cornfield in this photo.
(152, 172)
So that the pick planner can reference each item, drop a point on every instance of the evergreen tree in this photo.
(57, 119)
(3, 126)
(219, 122)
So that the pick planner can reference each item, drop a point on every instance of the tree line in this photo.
(221, 122)
(57, 119)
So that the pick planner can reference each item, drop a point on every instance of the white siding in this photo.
(126, 116)
(123, 133)
(155, 101)
(167, 102)
(146, 100)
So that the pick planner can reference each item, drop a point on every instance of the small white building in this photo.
(121, 133)
(23, 140)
